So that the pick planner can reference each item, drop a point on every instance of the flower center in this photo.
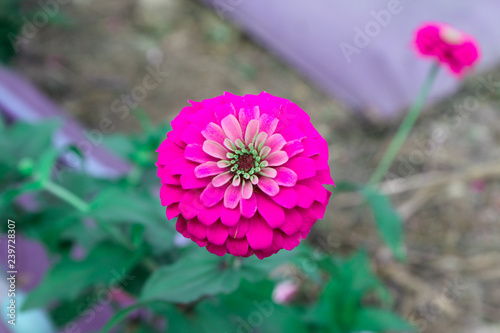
(246, 161)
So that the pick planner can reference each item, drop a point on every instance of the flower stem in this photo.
(405, 128)
(69, 197)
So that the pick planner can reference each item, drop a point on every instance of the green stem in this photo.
(67, 196)
(405, 128)
(84, 207)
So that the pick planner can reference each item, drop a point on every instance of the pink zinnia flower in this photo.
(244, 174)
(449, 46)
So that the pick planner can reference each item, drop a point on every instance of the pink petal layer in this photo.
(248, 207)
(232, 196)
(212, 195)
(278, 158)
(259, 235)
(197, 229)
(195, 153)
(180, 165)
(170, 194)
(217, 233)
(285, 177)
(189, 180)
(237, 247)
(275, 142)
(216, 249)
(240, 229)
(304, 167)
(271, 211)
(293, 222)
(247, 114)
(268, 186)
(287, 197)
(207, 169)
(232, 128)
(173, 211)
(247, 190)
(214, 132)
(251, 131)
(222, 179)
(229, 217)
(208, 216)
(214, 149)
(306, 197)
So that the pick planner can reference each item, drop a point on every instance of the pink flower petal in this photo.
(237, 247)
(247, 190)
(200, 242)
(285, 177)
(180, 165)
(259, 235)
(324, 177)
(293, 148)
(277, 158)
(275, 142)
(214, 149)
(292, 133)
(293, 222)
(268, 186)
(232, 128)
(268, 124)
(192, 134)
(190, 204)
(287, 197)
(271, 211)
(229, 217)
(310, 148)
(196, 229)
(232, 196)
(251, 131)
(286, 242)
(269, 172)
(222, 179)
(261, 138)
(171, 194)
(304, 167)
(189, 180)
(318, 209)
(207, 169)
(239, 230)
(195, 153)
(213, 132)
(181, 226)
(167, 177)
(247, 114)
(208, 216)
(217, 233)
(248, 207)
(216, 249)
(306, 197)
(212, 195)
(173, 211)
(320, 193)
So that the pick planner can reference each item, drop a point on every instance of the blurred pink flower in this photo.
(284, 292)
(451, 47)
(244, 174)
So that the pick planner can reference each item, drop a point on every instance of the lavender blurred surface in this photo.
(20, 100)
(379, 74)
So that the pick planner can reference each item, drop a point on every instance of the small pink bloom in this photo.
(449, 46)
(244, 174)
(284, 292)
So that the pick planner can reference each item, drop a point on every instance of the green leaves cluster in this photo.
(125, 243)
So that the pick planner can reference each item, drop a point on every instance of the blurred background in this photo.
(349, 65)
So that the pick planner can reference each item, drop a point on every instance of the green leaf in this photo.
(201, 273)
(389, 223)
(198, 274)
(377, 320)
(45, 164)
(118, 205)
(105, 265)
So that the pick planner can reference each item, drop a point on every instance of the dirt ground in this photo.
(450, 191)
